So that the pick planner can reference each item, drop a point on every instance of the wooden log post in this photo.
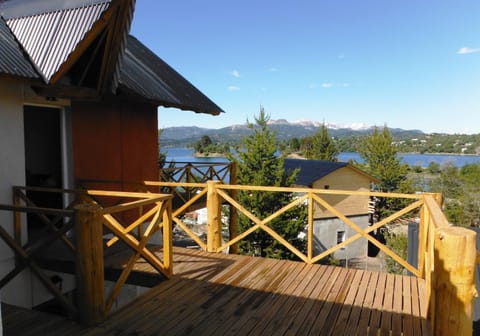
(89, 263)
(233, 219)
(168, 237)
(454, 280)
(214, 217)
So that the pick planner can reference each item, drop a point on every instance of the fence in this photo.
(92, 216)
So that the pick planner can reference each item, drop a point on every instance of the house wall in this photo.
(24, 290)
(325, 235)
(343, 179)
(115, 141)
(12, 172)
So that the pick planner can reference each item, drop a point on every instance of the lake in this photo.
(422, 160)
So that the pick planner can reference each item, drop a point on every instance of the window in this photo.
(326, 186)
(340, 238)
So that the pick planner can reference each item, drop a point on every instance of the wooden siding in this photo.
(115, 141)
(344, 179)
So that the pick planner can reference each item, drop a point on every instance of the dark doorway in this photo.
(43, 164)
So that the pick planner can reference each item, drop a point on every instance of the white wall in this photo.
(325, 233)
(12, 172)
(25, 290)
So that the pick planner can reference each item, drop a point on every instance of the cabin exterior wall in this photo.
(115, 141)
(326, 233)
(327, 227)
(12, 172)
(344, 179)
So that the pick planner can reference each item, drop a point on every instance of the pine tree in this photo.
(322, 146)
(381, 161)
(259, 165)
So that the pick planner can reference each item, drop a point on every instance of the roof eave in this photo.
(128, 93)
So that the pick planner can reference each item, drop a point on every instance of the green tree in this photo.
(433, 167)
(294, 144)
(381, 161)
(398, 243)
(322, 146)
(201, 145)
(461, 193)
(259, 165)
(306, 146)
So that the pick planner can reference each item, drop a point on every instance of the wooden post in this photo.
(89, 263)
(167, 237)
(454, 280)
(310, 227)
(214, 217)
(423, 228)
(233, 220)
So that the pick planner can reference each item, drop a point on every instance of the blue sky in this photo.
(409, 64)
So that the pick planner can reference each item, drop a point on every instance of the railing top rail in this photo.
(29, 209)
(47, 189)
(320, 191)
(438, 217)
(288, 189)
(152, 196)
(175, 184)
(207, 163)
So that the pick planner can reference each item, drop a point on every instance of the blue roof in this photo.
(311, 170)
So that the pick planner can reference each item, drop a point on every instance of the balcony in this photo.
(206, 291)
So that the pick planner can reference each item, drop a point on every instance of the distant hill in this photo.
(184, 135)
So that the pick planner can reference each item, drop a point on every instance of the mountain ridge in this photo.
(284, 130)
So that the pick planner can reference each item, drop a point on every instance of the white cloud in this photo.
(327, 85)
(235, 73)
(466, 50)
(272, 69)
(233, 88)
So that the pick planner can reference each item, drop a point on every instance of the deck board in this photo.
(218, 294)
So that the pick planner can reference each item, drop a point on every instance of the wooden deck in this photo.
(218, 294)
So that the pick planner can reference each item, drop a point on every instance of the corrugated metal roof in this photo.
(148, 76)
(17, 8)
(50, 30)
(12, 60)
(49, 38)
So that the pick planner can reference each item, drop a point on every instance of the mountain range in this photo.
(284, 130)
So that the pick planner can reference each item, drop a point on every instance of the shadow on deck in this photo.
(219, 294)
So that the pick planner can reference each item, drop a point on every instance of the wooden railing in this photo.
(129, 217)
(220, 194)
(447, 254)
(448, 265)
(198, 172)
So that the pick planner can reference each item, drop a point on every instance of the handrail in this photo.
(446, 257)
(312, 196)
(448, 263)
(439, 242)
(92, 212)
(188, 172)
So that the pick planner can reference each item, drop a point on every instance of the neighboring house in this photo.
(78, 100)
(329, 230)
